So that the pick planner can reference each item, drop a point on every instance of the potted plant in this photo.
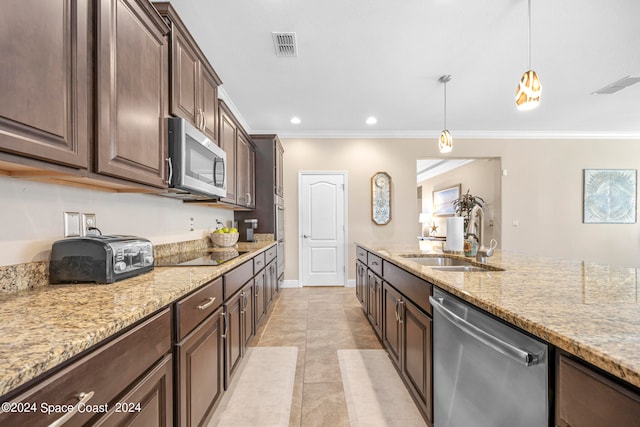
(464, 204)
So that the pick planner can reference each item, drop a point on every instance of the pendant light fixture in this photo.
(445, 144)
(529, 89)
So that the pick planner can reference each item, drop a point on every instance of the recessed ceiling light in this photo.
(295, 120)
(372, 120)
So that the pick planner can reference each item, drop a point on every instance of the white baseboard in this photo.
(351, 283)
(291, 284)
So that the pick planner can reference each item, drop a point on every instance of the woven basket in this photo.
(224, 239)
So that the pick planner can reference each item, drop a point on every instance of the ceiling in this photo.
(383, 58)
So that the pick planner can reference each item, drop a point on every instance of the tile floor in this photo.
(319, 321)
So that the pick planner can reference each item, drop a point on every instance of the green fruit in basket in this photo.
(218, 231)
(225, 230)
(233, 230)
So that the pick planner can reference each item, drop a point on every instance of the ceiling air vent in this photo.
(285, 44)
(617, 85)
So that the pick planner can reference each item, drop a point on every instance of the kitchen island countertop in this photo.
(48, 325)
(589, 310)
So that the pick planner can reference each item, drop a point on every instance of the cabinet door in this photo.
(375, 301)
(361, 284)
(259, 297)
(227, 141)
(44, 80)
(416, 358)
(279, 153)
(185, 82)
(248, 323)
(232, 336)
(209, 105)
(149, 403)
(251, 177)
(391, 332)
(200, 363)
(586, 398)
(131, 92)
(242, 170)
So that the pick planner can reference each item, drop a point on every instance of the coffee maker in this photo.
(246, 229)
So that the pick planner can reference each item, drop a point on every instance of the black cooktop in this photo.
(212, 257)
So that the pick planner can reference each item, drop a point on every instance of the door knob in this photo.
(305, 236)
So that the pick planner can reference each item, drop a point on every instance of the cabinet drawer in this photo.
(101, 376)
(586, 398)
(414, 288)
(193, 309)
(237, 277)
(361, 254)
(375, 264)
(270, 254)
(259, 262)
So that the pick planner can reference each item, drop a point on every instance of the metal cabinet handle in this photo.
(396, 313)
(207, 303)
(248, 198)
(400, 310)
(170, 170)
(374, 262)
(521, 356)
(83, 398)
(204, 120)
(223, 315)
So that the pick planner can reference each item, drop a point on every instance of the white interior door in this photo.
(322, 229)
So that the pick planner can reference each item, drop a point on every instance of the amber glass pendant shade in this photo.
(528, 92)
(445, 144)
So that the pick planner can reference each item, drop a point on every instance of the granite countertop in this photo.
(48, 325)
(589, 310)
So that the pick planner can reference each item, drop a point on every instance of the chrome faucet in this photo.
(476, 229)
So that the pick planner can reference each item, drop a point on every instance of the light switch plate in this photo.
(71, 224)
(88, 221)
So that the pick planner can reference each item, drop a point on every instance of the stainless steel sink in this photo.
(450, 264)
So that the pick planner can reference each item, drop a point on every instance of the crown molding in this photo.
(287, 134)
(222, 94)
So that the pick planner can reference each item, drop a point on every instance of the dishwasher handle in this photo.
(521, 356)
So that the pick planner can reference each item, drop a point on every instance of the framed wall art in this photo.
(381, 198)
(443, 201)
(609, 196)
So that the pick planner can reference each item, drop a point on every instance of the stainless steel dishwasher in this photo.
(486, 373)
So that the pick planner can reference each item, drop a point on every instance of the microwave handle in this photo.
(224, 173)
(170, 170)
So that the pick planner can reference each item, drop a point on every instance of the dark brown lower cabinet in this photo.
(586, 398)
(416, 357)
(374, 301)
(259, 297)
(149, 403)
(407, 336)
(233, 341)
(136, 365)
(248, 304)
(361, 284)
(391, 331)
(271, 282)
(200, 372)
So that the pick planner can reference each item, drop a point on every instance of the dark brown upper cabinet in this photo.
(45, 80)
(131, 91)
(193, 81)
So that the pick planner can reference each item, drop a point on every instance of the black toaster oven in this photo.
(100, 259)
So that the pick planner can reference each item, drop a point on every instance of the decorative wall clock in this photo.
(381, 198)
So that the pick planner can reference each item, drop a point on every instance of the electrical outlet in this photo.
(88, 222)
(71, 224)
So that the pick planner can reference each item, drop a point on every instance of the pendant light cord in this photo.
(445, 105)
(529, 1)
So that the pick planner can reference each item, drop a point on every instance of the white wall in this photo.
(542, 191)
(31, 217)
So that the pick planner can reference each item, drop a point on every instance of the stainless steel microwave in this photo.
(197, 166)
